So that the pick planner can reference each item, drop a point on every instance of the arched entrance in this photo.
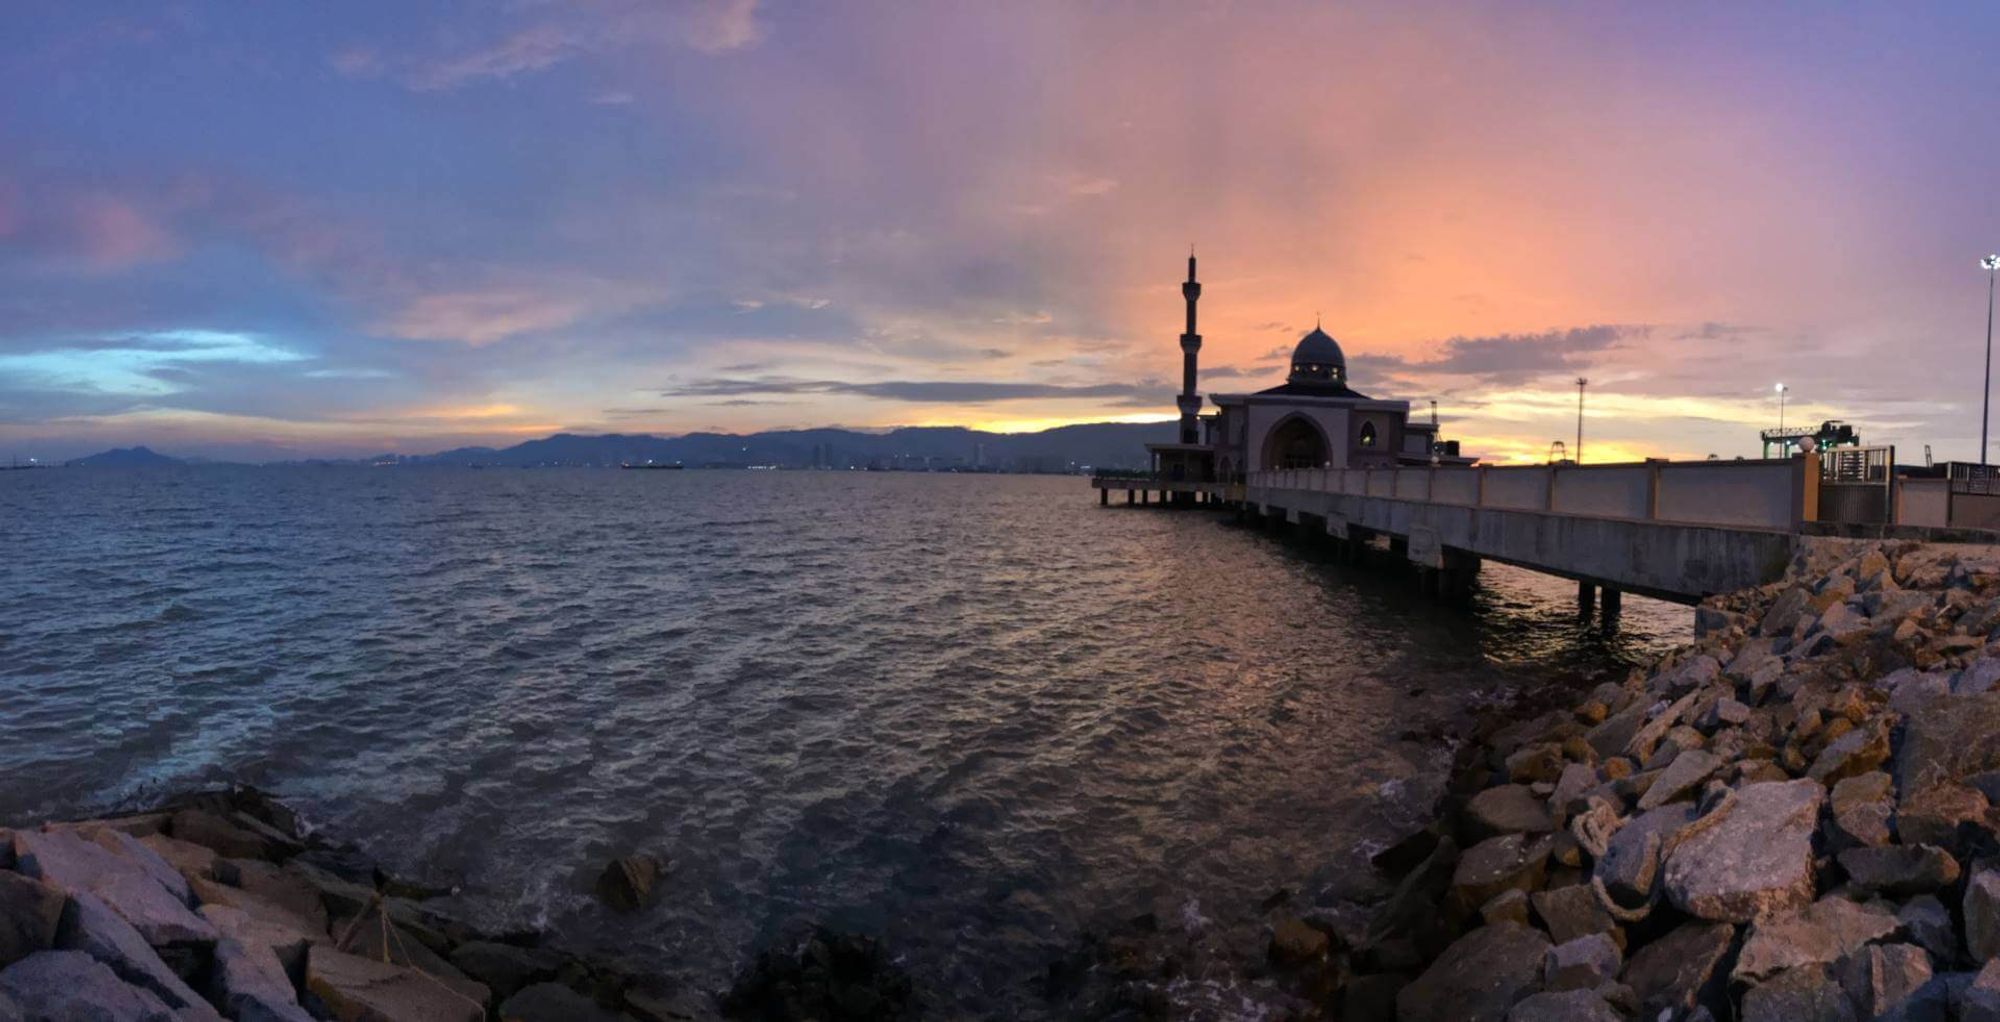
(1295, 443)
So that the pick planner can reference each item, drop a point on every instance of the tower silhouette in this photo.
(1189, 401)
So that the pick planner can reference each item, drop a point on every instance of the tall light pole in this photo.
(1990, 264)
(1580, 384)
(1781, 406)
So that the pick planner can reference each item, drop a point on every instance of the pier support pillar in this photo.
(1128, 497)
(1103, 498)
(1458, 576)
(1614, 600)
(1586, 599)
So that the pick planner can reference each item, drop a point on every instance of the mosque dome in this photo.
(1318, 359)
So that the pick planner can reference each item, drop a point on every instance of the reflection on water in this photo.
(973, 714)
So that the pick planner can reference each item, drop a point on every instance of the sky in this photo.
(284, 230)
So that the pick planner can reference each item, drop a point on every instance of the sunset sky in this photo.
(273, 230)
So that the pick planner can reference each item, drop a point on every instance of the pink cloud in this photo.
(112, 233)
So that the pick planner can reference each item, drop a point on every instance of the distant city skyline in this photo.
(339, 231)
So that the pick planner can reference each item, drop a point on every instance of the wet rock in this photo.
(1507, 809)
(349, 864)
(340, 896)
(1749, 857)
(1886, 980)
(252, 985)
(355, 988)
(1294, 942)
(1680, 779)
(1572, 912)
(1407, 854)
(235, 837)
(380, 940)
(29, 913)
(827, 976)
(505, 968)
(1585, 963)
(1899, 870)
(1479, 977)
(1981, 910)
(1821, 934)
(1495, 865)
(631, 882)
(1806, 994)
(271, 883)
(1680, 969)
(129, 887)
(552, 1002)
(1564, 1006)
(271, 915)
(91, 927)
(1862, 807)
(71, 985)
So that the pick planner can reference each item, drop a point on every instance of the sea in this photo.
(976, 716)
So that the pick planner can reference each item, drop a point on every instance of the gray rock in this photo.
(1927, 921)
(234, 837)
(1680, 779)
(1852, 754)
(380, 941)
(1785, 613)
(255, 924)
(552, 1002)
(1749, 857)
(1918, 691)
(1572, 912)
(1576, 781)
(1507, 809)
(1820, 934)
(1610, 737)
(70, 986)
(1565, 1006)
(1946, 738)
(631, 882)
(505, 968)
(251, 984)
(1980, 676)
(276, 885)
(1679, 969)
(1979, 1000)
(1862, 807)
(1630, 864)
(191, 860)
(1805, 994)
(358, 988)
(1981, 909)
(1640, 748)
(1899, 870)
(1936, 815)
(1585, 963)
(130, 889)
(1842, 622)
(1495, 865)
(1510, 905)
(89, 926)
(1885, 979)
(29, 913)
(1729, 711)
(1479, 977)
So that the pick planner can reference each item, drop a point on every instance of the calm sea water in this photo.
(974, 715)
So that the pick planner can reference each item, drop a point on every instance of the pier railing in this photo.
(1774, 493)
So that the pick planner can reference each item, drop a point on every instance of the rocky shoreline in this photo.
(1789, 819)
(222, 905)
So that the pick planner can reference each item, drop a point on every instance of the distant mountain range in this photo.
(933, 448)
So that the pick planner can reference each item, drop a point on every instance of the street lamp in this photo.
(1580, 384)
(1989, 264)
(1781, 406)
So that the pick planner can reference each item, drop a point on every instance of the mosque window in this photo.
(1367, 434)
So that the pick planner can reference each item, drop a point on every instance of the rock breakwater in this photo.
(1792, 818)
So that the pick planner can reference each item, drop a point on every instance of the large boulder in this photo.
(1564, 1006)
(383, 940)
(1820, 934)
(130, 886)
(1630, 864)
(630, 882)
(1478, 978)
(1855, 753)
(71, 985)
(1681, 778)
(1861, 807)
(1899, 870)
(1681, 969)
(89, 926)
(355, 988)
(29, 913)
(1574, 911)
(236, 836)
(1507, 862)
(1946, 738)
(1585, 963)
(1805, 994)
(252, 985)
(1749, 857)
(1981, 909)
(1508, 809)
(1889, 981)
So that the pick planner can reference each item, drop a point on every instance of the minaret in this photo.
(1189, 401)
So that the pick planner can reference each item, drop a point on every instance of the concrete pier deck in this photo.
(1673, 530)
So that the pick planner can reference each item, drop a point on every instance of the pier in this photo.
(1677, 531)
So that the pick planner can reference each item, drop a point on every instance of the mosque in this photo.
(1312, 420)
